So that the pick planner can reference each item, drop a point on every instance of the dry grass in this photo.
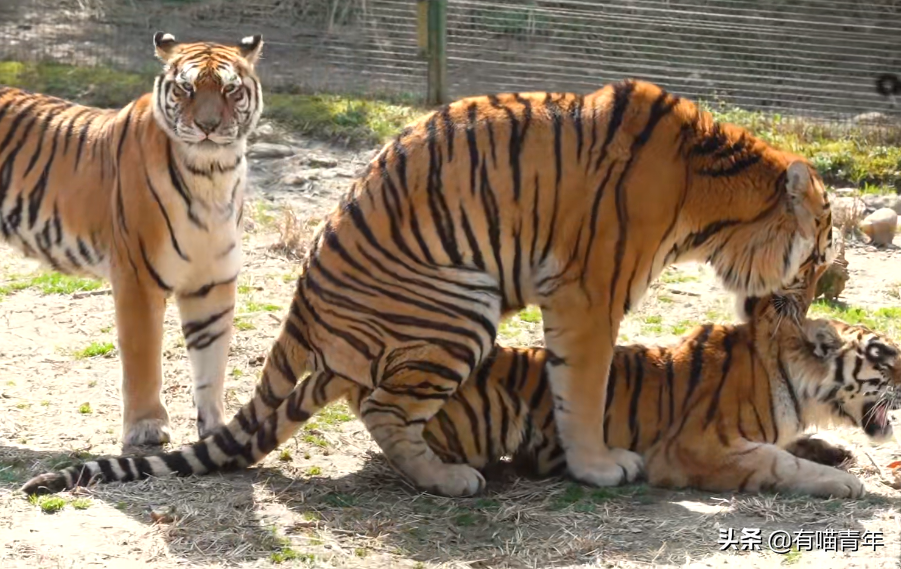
(327, 498)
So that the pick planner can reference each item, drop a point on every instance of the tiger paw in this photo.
(835, 484)
(207, 423)
(611, 468)
(452, 480)
(147, 432)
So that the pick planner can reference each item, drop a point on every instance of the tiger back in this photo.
(148, 197)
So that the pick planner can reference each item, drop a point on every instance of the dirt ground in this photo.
(327, 498)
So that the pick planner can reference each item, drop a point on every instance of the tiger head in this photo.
(865, 374)
(792, 301)
(208, 95)
(768, 252)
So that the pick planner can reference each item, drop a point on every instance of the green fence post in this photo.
(437, 53)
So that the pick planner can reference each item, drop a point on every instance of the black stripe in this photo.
(697, 362)
(662, 106)
(621, 93)
(472, 143)
(205, 289)
(163, 211)
(611, 394)
(728, 343)
(153, 274)
(634, 426)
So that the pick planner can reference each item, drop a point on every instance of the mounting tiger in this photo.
(575, 203)
(150, 197)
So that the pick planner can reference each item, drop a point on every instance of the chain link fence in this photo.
(813, 58)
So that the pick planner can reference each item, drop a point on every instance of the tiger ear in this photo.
(826, 341)
(251, 47)
(797, 186)
(165, 45)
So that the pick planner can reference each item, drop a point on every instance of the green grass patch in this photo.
(95, 349)
(843, 155)
(251, 306)
(339, 117)
(350, 119)
(82, 503)
(339, 500)
(50, 283)
(243, 325)
(284, 455)
(331, 415)
(85, 409)
(289, 554)
(886, 320)
(48, 504)
(314, 471)
(682, 327)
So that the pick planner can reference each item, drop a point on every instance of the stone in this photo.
(269, 150)
(880, 226)
(315, 161)
(879, 202)
(847, 211)
(832, 282)
(300, 178)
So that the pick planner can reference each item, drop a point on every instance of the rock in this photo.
(300, 178)
(264, 130)
(847, 211)
(269, 150)
(344, 173)
(880, 226)
(321, 161)
(871, 118)
(879, 202)
(833, 280)
(845, 191)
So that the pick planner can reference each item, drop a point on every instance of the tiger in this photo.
(724, 409)
(150, 198)
(574, 203)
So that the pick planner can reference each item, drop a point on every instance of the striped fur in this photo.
(148, 197)
(574, 203)
(725, 409)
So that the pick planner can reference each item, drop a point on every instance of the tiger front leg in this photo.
(580, 346)
(751, 467)
(139, 325)
(395, 413)
(206, 322)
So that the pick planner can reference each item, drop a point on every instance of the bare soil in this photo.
(328, 498)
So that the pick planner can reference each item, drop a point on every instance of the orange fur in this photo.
(725, 409)
(141, 196)
(574, 203)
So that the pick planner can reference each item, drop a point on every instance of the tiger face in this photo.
(208, 95)
(866, 376)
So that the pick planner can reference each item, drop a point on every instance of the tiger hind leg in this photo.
(580, 346)
(139, 325)
(206, 317)
(396, 412)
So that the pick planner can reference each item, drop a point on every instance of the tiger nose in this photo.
(207, 124)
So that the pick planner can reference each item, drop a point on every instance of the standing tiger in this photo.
(724, 409)
(149, 197)
(575, 203)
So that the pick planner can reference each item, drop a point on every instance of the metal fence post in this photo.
(437, 53)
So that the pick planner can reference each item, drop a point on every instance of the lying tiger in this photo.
(717, 411)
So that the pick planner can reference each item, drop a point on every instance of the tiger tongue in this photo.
(881, 416)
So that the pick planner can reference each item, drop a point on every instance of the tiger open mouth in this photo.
(876, 422)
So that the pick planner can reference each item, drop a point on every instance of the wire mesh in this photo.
(345, 46)
(813, 58)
